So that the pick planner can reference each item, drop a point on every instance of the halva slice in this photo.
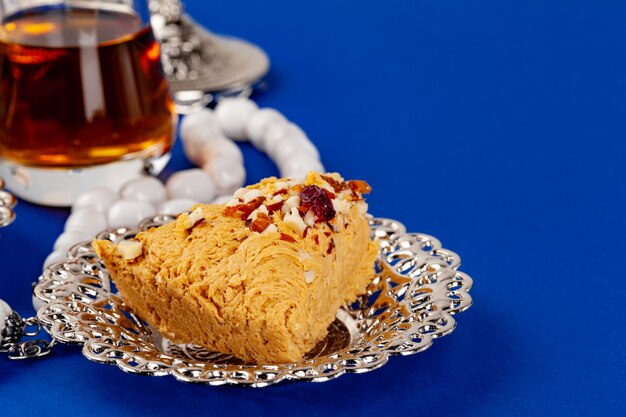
(260, 277)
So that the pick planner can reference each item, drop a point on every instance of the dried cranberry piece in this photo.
(316, 199)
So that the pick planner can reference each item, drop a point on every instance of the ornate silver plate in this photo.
(411, 301)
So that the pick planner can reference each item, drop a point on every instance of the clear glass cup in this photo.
(84, 101)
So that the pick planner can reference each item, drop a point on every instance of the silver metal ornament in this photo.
(14, 328)
(201, 65)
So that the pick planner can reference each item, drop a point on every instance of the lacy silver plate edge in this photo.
(410, 303)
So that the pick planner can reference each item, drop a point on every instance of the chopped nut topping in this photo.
(287, 238)
(309, 218)
(329, 194)
(261, 209)
(294, 220)
(309, 276)
(130, 249)
(360, 186)
(233, 202)
(341, 206)
(270, 229)
(337, 185)
(280, 185)
(193, 218)
(242, 211)
(240, 192)
(300, 207)
(291, 202)
(275, 206)
(260, 223)
(250, 195)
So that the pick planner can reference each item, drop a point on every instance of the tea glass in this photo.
(84, 101)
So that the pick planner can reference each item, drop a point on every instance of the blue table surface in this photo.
(497, 126)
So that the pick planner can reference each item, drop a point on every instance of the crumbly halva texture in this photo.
(260, 277)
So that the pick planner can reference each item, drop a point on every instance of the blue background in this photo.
(497, 126)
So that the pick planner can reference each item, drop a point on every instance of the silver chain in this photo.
(15, 328)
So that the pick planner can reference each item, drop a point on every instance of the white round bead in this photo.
(198, 129)
(99, 198)
(129, 213)
(228, 177)
(145, 188)
(194, 184)
(223, 148)
(274, 134)
(177, 205)
(5, 312)
(306, 146)
(198, 123)
(290, 146)
(233, 115)
(54, 257)
(193, 148)
(293, 134)
(86, 220)
(297, 166)
(223, 199)
(260, 122)
(68, 239)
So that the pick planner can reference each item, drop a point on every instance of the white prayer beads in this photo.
(239, 118)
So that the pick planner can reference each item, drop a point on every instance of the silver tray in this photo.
(410, 302)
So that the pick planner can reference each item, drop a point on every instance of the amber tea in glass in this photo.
(80, 87)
